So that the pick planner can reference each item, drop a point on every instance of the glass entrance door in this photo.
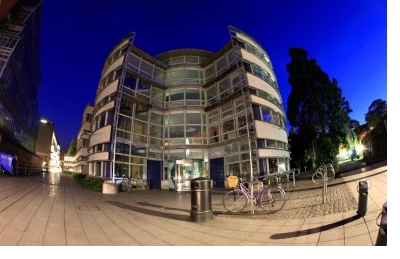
(183, 174)
(183, 177)
(182, 171)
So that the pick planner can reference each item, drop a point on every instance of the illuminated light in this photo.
(43, 121)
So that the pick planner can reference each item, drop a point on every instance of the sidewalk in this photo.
(54, 210)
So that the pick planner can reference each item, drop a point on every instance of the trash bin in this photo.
(201, 210)
(381, 239)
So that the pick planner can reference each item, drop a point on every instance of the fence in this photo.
(28, 169)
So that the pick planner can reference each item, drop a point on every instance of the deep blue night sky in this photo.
(347, 38)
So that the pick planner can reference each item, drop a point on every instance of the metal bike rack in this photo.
(251, 187)
(323, 170)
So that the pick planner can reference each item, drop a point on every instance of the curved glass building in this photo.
(188, 113)
(20, 77)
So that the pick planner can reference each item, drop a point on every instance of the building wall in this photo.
(78, 162)
(188, 104)
(19, 81)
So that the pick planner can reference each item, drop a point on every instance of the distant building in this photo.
(188, 113)
(78, 162)
(47, 147)
(20, 77)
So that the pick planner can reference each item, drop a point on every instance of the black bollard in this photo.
(362, 189)
(381, 239)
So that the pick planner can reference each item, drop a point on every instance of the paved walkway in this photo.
(54, 210)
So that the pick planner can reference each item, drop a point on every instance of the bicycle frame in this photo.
(247, 192)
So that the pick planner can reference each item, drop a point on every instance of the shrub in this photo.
(89, 182)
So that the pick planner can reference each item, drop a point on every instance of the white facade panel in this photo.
(86, 125)
(100, 156)
(100, 136)
(262, 85)
(105, 108)
(111, 88)
(117, 63)
(249, 40)
(272, 153)
(267, 130)
(250, 57)
(82, 152)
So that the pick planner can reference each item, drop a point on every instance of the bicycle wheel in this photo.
(235, 201)
(272, 199)
(317, 177)
(128, 187)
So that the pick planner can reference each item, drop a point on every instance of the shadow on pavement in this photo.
(151, 212)
(315, 230)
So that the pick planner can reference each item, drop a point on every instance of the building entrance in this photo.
(183, 171)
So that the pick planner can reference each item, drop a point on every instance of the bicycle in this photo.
(127, 184)
(317, 176)
(270, 198)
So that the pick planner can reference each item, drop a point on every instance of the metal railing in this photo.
(28, 169)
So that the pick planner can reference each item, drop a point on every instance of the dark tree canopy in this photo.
(376, 112)
(353, 124)
(72, 148)
(315, 107)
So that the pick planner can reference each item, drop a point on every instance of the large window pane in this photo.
(193, 131)
(146, 67)
(192, 59)
(176, 119)
(194, 74)
(193, 118)
(140, 127)
(193, 94)
(157, 93)
(177, 132)
(130, 81)
(176, 74)
(156, 118)
(221, 64)
(124, 123)
(176, 60)
(177, 94)
(133, 60)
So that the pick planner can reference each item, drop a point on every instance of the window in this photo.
(130, 81)
(256, 70)
(192, 94)
(176, 74)
(124, 123)
(192, 59)
(221, 64)
(176, 60)
(133, 60)
(193, 118)
(146, 69)
(266, 114)
(193, 74)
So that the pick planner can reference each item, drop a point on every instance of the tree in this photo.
(376, 112)
(316, 107)
(72, 148)
(353, 124)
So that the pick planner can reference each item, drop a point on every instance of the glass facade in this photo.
(167, 118)
(20, 76)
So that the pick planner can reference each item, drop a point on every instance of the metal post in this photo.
(323, 188)
(252, 200)
(294, 177)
